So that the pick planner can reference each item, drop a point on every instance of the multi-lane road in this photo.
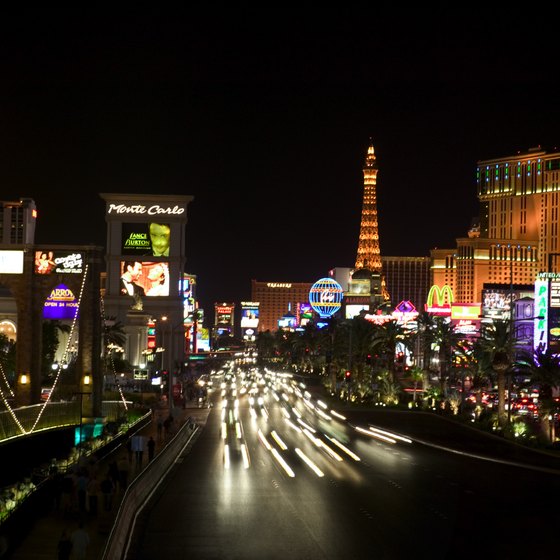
(279, 473)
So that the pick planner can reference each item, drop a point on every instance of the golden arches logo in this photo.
(440, 294)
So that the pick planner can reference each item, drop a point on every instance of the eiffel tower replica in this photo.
(367, 277)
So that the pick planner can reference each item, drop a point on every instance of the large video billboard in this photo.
(61, 262)
(144, 278)
(249, 315)
(146, 239)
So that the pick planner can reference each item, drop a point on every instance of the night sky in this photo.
(266, 122)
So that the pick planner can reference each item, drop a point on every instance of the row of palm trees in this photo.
(436, 357)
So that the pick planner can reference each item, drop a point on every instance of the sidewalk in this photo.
(42, 539)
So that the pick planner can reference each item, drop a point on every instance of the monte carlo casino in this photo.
(63, 283)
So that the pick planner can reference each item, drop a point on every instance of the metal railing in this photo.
(55, 415)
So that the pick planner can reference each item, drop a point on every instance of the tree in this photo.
(447, 341)
(417, 375)
(495, 341)
(384, 342)
(543, 366)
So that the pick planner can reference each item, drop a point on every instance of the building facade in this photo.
(518, 232)
(407, 279)
(145, 262)
(276, 299)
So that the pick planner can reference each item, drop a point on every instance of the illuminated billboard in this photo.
(224, 313)
(496, 301)
(304, 313)
(144, 278)
(11, 262)
(61, 304)
(146, 239)
(61, 262)
(249, 315)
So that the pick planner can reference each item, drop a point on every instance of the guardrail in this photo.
(140, 491)
(55, 415)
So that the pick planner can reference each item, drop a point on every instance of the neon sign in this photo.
(541, 311)
(325, 296)
(441, 294)
(153, 210)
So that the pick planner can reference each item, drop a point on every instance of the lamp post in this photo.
(165, 359)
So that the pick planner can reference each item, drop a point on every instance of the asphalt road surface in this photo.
(278, 473)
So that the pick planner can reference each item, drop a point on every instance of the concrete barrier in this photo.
(142, 488)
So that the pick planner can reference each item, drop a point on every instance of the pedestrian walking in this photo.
(138, 444)
(81, 488)
(107, 489)
(93, 494)
(124, 468)
(159, 427)
(80, 542)
(64, 547)
(151, 448)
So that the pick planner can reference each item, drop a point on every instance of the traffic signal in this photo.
(368, 359)
(348, 375)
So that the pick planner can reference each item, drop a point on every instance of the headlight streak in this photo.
(223, 414)
(230, 416)
(285, 413)
(264, 441)
(224, 430)
(322, 404)
(296, 412)
(245, 455)
(306, 425)
(322, 414)
(335, 413)
(373, 434)
(308, 404)
(319, 443)
(344, 448)
(292, 425)
(278, 440)
(309, 462)
(224, 403)
(226, 456)
(238, 430)
(264, 413)
(283, 463)
(253, 413)
(390, 434)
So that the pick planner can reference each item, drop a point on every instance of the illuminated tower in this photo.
(369, 253)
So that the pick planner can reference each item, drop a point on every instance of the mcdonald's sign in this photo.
(444, 299)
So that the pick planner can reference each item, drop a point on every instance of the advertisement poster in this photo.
(146, 239)
(61, 262)
(144, 278)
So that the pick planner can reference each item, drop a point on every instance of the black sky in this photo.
(266, 122)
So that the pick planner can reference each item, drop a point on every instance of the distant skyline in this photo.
(268, 129)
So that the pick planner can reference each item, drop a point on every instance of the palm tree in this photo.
(417, 376)
(495, 340)
(426, 326)
(447, 341)
(385, 340)
(543, 366)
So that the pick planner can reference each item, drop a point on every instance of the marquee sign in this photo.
(154, 210)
